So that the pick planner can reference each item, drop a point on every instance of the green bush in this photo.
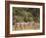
(26, 14)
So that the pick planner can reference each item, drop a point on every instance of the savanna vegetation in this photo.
(26, 15)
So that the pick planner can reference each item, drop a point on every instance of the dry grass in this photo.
(26, 26)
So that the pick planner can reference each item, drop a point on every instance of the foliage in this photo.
(26, 14)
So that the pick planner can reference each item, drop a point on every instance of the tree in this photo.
(26, 14)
